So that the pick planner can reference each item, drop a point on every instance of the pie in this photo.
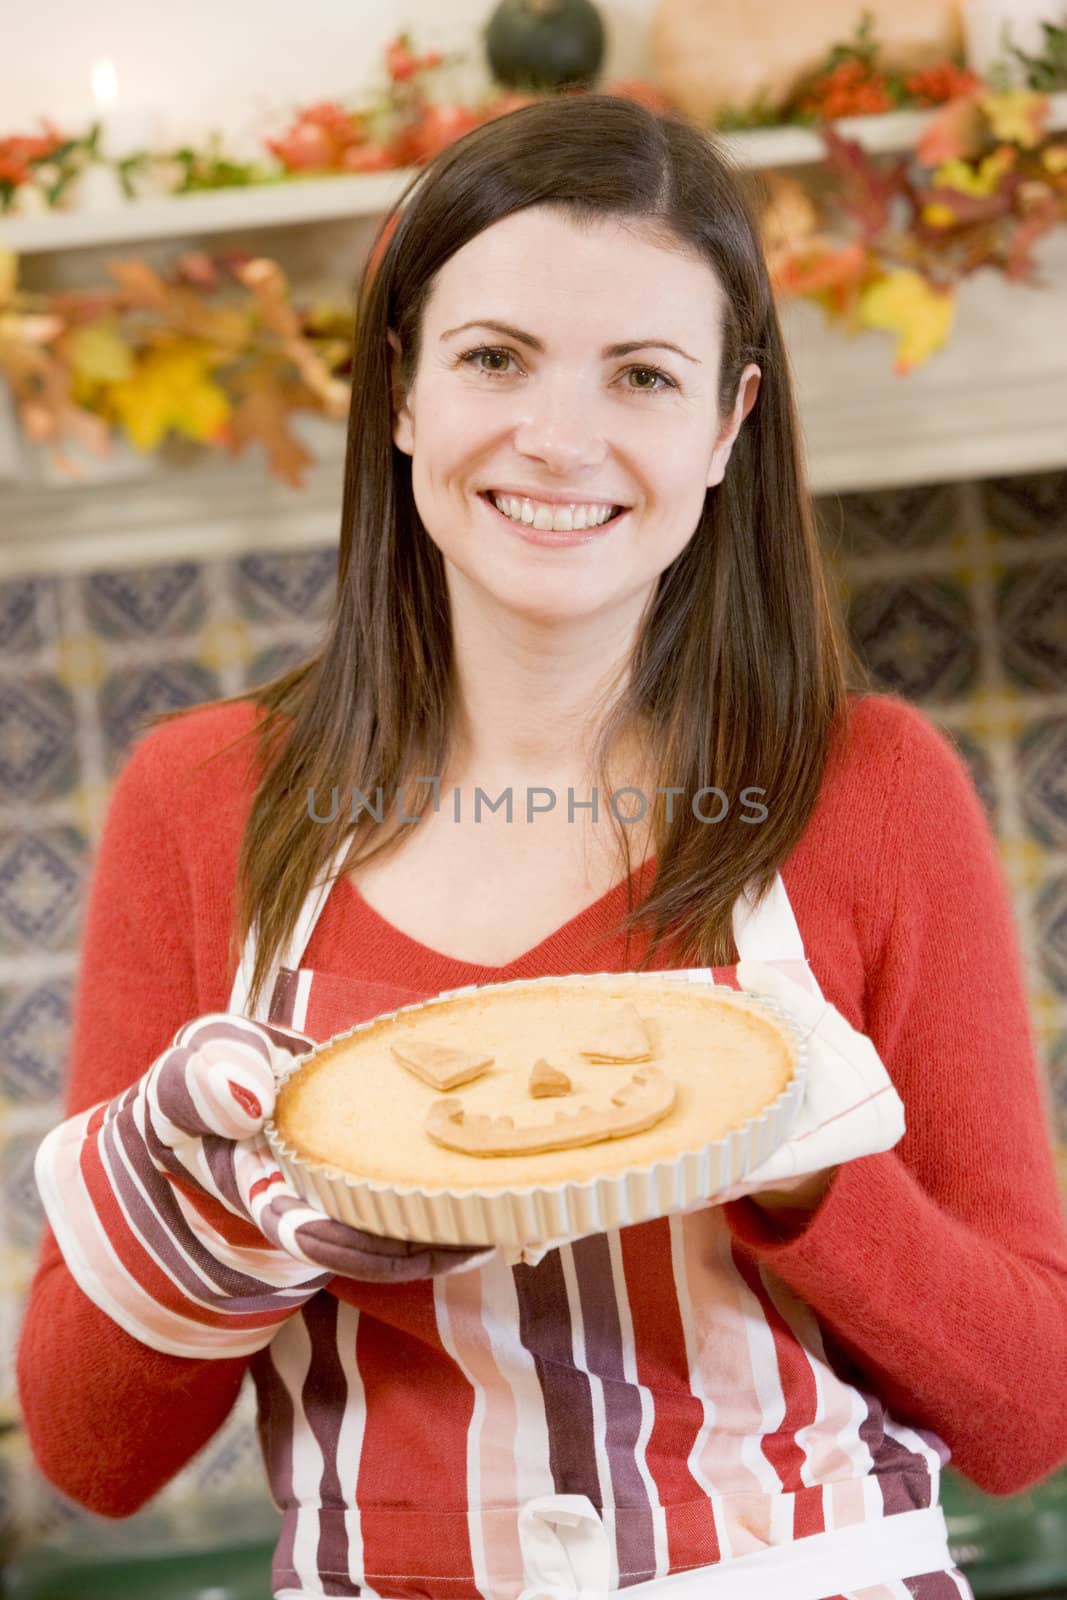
(538, 1082)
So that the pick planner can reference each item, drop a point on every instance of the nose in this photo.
(560, 428)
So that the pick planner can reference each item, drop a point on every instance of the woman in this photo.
(570, 305)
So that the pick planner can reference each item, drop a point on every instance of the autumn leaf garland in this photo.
(215, 352)
(984, 183)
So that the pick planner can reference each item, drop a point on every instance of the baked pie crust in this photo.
(662, 1071)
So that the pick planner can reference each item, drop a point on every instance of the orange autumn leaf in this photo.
(956, 132)
(820, 267)
(790, 217)
(269, 288)
(262, 416)
(141, 285)
(50, 415)
(142, 288)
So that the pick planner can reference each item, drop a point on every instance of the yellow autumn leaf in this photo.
(904, 303)
(328, 319)
(1054, 159)
(9, 271)
(980, 180)
(1018, 115)
(171, 387)
(97, 352)
(938, 215)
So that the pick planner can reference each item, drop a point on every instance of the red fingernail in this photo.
(264, 1183)
(245, 1099)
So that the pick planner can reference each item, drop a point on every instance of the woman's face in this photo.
(548, 408)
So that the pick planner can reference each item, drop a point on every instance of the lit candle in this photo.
(127, 130)
(983, 25)
(124, 131)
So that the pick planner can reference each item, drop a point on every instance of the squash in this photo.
(710, 55)
(545, 44)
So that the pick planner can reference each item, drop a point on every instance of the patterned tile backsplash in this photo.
(956, 596)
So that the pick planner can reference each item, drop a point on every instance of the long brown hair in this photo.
(741, 669)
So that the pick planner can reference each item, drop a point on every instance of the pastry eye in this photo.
(470, 358)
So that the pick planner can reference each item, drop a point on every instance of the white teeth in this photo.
(561, 519)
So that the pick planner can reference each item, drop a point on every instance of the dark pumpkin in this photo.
(545, 44)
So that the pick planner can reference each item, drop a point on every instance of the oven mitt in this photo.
(173, 1217)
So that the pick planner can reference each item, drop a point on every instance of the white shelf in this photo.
(882, 135)
(331, 199)
(799, 147)
(270, 205)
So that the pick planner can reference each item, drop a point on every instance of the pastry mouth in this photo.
(490, 497)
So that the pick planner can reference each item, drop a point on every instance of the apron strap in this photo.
(291, 955)
(769, 927)
(769, 932)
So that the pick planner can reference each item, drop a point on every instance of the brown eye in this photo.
(471, 358)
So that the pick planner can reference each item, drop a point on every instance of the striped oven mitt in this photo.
(171, 1212)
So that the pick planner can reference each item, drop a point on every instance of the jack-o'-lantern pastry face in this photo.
(537, 1082)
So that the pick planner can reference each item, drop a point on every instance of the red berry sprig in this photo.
(934, 85)
(851, 89)
(401, 64)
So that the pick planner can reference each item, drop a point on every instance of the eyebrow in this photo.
(609, 350)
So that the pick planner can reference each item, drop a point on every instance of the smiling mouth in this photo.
(559, 533)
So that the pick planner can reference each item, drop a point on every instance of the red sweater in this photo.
(939, 1269)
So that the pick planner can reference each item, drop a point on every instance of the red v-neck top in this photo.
(938, 1269)
(387, 953)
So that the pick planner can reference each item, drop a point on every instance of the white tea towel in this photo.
(850, 1106)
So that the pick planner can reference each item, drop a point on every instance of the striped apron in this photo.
(647, 1409)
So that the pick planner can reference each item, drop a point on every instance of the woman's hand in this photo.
(174, 1218)
(802, 1194)
(209, 1095)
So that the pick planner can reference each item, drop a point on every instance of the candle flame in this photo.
(105, 85)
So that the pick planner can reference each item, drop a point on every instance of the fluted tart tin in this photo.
(523, 1214)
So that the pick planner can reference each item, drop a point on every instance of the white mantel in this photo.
(992, 402)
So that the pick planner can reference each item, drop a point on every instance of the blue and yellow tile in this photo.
(38, 751)
(42, 883)
(278, 586)
(146, 603)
